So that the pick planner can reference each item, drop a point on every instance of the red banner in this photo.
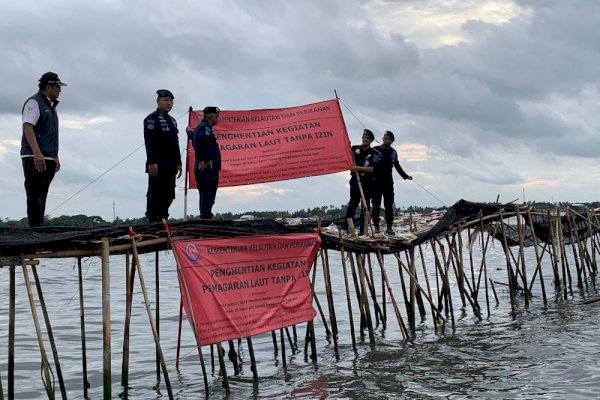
(274, 145)
(246, 286)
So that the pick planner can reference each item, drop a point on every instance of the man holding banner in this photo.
(363, 158)
(207, 160)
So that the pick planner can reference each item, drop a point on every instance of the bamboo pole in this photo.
(446, 286)
(316, 299)
(520, 229)
(151, 318)
(592, 213)
(232, 355)
(420, 288)
(483, 266)
(290, 341)
(425, 274)
(413, 290)
(283, 356)
(566, 271)
(592, 242)
(46, 377)
(509, 272)
(554, 255)
(573, 239)
(179, 323)
(438, 276)
(581, 243)
(371, 283)
(538, 258)
(329, 295)
(221, 357)
(392, 298)
(252, 359)
(458, 266)
(365, 300)
(346, 286)
(11, 334)
(472, 235)
(106, 345)
(59, 375)
(363, 316)
(191, 317)
(129, 284)
(157, 311)
(86, 384)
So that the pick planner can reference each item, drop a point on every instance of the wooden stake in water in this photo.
(364, 298)
(192, 318)
(106, 345)
(348, 302)
(151, 318)
(59, 375)
(11, 334)
(537, 257)
(130, 279)
(86, 384)
(47, 379)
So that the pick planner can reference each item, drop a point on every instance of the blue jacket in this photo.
(206, 149)
(46, 129)
(162, 140)
(384, 161)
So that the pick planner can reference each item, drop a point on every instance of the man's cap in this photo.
(51, 78)
(367, 132)
(390, 134)
(165, 93)
(211, 110)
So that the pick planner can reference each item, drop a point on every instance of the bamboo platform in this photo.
(565, 238)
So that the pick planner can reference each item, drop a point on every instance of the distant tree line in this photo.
(326, 213)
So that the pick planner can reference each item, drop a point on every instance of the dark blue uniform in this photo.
(363, 157)
(207, 150)
(383, 183)
(162, 148)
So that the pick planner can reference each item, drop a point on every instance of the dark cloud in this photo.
(528, 85)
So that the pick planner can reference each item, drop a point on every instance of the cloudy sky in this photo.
(486, 97)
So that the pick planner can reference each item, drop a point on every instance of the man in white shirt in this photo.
(39, 145)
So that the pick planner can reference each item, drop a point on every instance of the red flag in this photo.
(246, 286)
(278, 144)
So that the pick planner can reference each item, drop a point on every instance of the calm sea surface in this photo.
(546, 352)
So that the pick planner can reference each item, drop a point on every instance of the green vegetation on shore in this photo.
(325, 212)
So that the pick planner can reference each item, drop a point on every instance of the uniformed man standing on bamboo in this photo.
(363, 167)
(208, 160)
(39, 145)
(163, 157)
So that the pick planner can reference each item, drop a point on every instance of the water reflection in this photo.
(545, 353)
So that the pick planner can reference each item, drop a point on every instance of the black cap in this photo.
(367, 132)
(51, 78)
(390, 134)
(165, 93)
(211, 110)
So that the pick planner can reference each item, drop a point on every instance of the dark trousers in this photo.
(385, 190)
(161, 192)
(36, 188)
(207, 200)
(355, 200)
